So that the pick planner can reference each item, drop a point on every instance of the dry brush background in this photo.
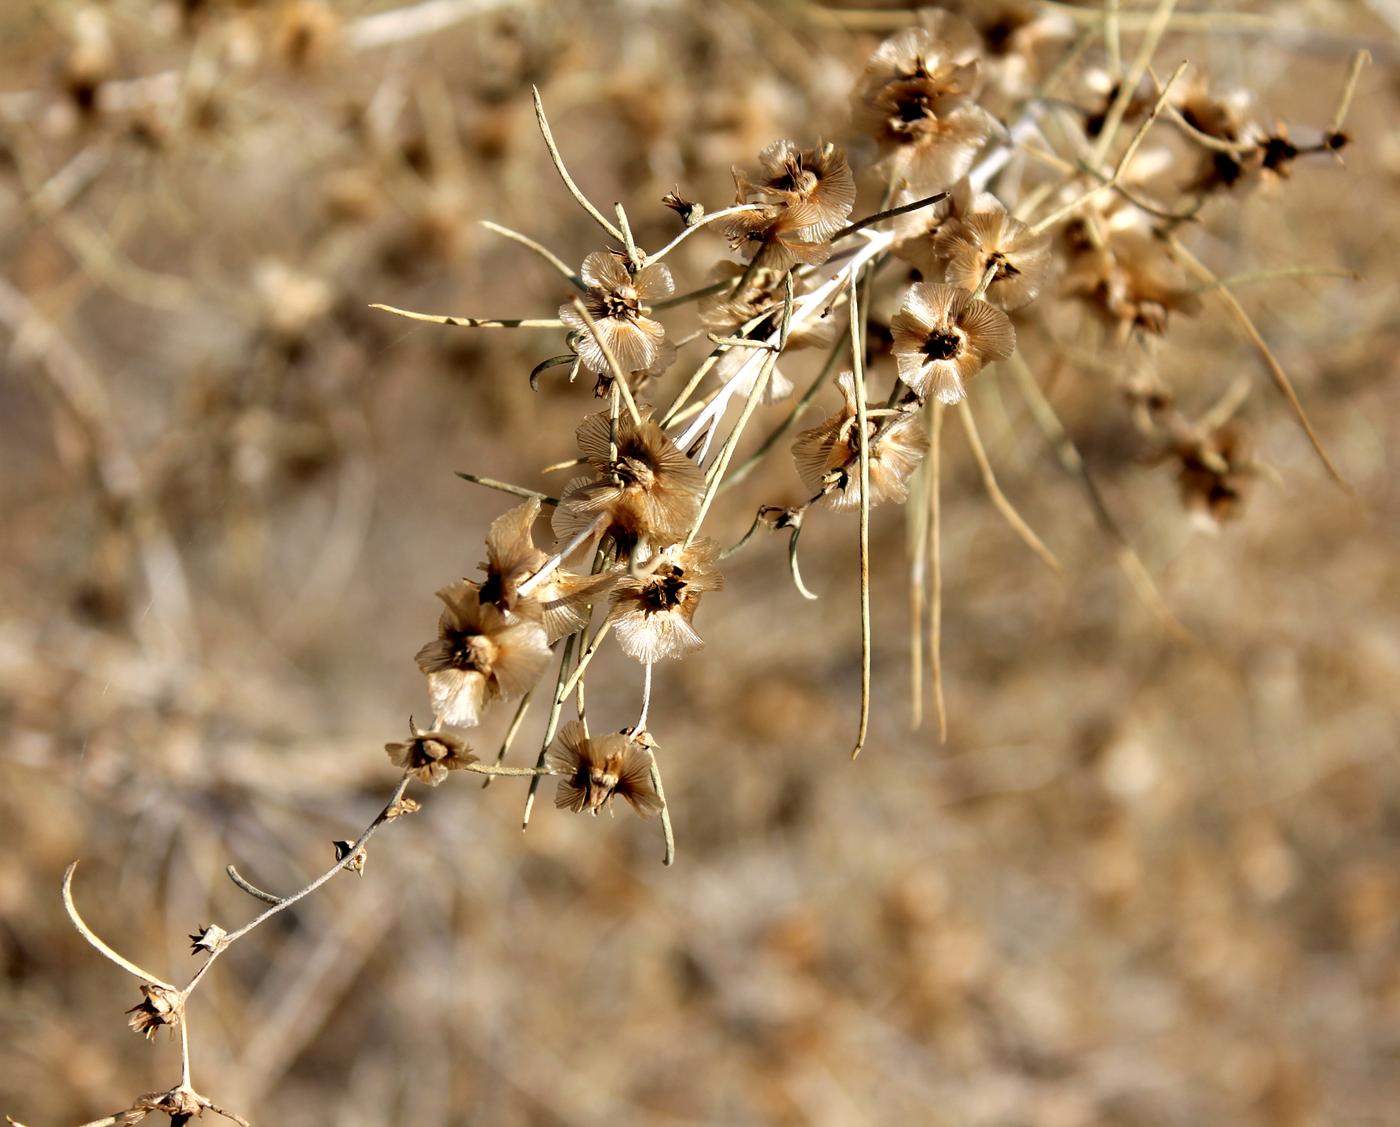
(1145, 882)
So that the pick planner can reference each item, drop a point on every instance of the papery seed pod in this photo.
(180, 1104)
(1214, 472)
(478, 656)
(595, 771)
(1129, 280)
(618, 301)
(559, 602)
(429, 756)
(828, 455)
(159, 1006)
(943, 337)
(650, 493)
(815, 187)
(916, 100)
(209, 939)
(770, 237)
(651, 616)
(992, 239)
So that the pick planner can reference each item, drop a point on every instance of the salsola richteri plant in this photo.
(957, 266)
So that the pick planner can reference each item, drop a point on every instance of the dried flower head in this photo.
(992, 239)
(690, 212)
(943, 337)
(594, 771)
(559, 603)
(181, 1104)
(651, 616)
(1222, 118)
(1129, 280)
(771, 238)
(429, 756)
(159, 1006)
(814, 186)
(209, 939)
(828, 455)
(1213, 471)
(916, 101)
(757, 293)
(916, 231)
(478, 656)
(618, 301)
(649, 493)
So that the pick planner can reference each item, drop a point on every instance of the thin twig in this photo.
(574, 190)
(858, 371)
(935, 642)
(792, 565)
(1073, 462)
(547, 568)
(1358, 61)
(507, 487)
(553, 362)
(746, 467)
(92, 937)
(888, 213)
(618, 375)
(273, 909)
(249, 887)
(1042, 225)
(744, 539)
(516, 721)
(667, 834)
(989, 481)
(551, 727)
(473, 322)
(708, 218)
(1276, 370)
(1127, 84)
(540, 249)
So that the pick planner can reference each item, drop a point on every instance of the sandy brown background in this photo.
(1144, 883)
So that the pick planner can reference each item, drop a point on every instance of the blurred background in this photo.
(1146, 881)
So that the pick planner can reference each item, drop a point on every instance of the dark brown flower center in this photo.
(912, 108)
(664, 592)
(633, 470)
(472, 652)
(942, 345)
(621, 303)
(1005, 267)
(795, 178)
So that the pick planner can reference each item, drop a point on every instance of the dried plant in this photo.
(947, 108)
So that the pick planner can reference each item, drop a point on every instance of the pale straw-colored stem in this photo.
(574, 190)
(646, 698)
(285, 903)
(473, 322)
(703, 221)
(1003, 506)
(668, 835)
(96, 941)
(1276, 370)
(935, 533)
(549, 565)
(1358, 61)
(618, 375)
(1127, 85)
(1042, 225)
(551, 726)
(539, 248)
(863, 448)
